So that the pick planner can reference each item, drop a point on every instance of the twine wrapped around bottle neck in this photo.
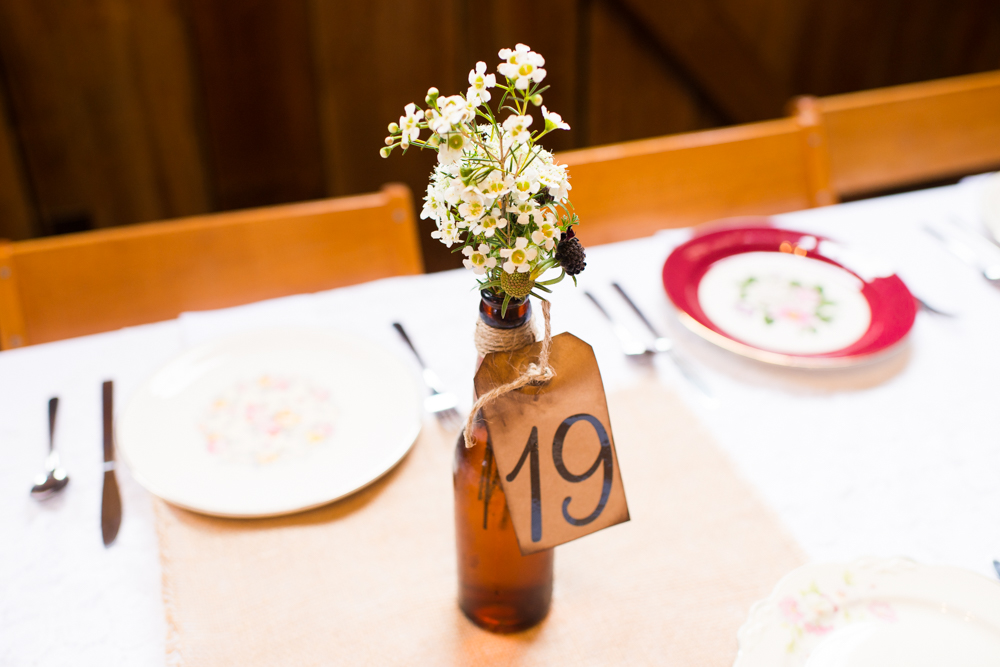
(489, 339)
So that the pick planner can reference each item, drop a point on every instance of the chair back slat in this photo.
(893, 137)
(79, 284)
(633, 189)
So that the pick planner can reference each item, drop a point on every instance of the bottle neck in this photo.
(491, 307)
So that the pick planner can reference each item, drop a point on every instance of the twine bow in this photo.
(489, 339)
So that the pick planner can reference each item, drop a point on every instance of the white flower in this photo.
(489, 224)
(479, 81)
(452, 111)
(447, 231)
(433, 203)
(451, 150)
(517, 128)
(410, 124)
(553, 177)
(525, 212)
(478, 260)
(453, 192)
(547, 233)
(519, 256)
(455, 109)
(560, 190)
(524, 185)
(473, 205)
(553, 120)
(523, 66)
(493, 185)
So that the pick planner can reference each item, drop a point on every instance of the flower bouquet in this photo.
(496, 194)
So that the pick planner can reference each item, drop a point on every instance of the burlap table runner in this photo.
(371, 580)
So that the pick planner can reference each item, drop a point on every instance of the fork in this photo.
(633, 348)
(663, 344)
(441, 403)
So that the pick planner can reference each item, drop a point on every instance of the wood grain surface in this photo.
(122, 111)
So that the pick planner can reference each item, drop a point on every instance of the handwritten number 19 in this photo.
(530, 454)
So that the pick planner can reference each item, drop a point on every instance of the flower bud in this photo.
(536, 99)
(432, 94)
(393, 128)
(384, 152)
(389, 141)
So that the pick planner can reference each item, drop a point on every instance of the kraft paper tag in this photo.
(553, 445)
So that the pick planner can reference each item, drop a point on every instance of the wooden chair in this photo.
(632, 189)
(60, 287)
(904, 135)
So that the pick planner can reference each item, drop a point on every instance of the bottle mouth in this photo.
(491, 307)
(494, 299)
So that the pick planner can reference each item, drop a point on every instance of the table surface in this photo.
(897, 457)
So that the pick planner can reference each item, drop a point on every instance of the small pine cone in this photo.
(518, 285)
(571, 255)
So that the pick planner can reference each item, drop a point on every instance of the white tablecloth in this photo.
(900, 457)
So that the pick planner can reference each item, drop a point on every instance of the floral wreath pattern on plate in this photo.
(270, 417)
(815, 611)
(777, 299)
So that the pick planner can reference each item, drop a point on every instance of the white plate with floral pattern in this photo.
(788, 298)
(872, 613)
(270, 422)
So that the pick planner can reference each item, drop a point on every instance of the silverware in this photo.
(111, 502)
(441, 403)
(630, 345)
(991, 272)
(54, 479)
(931, 309)
(663, 344)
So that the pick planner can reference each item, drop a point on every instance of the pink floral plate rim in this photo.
(893, 307)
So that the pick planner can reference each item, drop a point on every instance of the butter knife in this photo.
(111, 502)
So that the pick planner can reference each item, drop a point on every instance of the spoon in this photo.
(54, 478)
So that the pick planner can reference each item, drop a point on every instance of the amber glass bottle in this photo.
(498, 588)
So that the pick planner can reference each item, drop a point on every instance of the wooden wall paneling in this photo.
(633, 92)
(17, 215)
(984, 41)
(76, 90)
(372, 58)
(171, 105)
(971, 40)
(771, 28)
(844, 45)
(491, 25)
(855, 45)
(714, 53)
(261, 110)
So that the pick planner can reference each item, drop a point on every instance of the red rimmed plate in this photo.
(787, 297)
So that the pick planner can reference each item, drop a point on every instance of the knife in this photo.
(990, 271)
(111, 502)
